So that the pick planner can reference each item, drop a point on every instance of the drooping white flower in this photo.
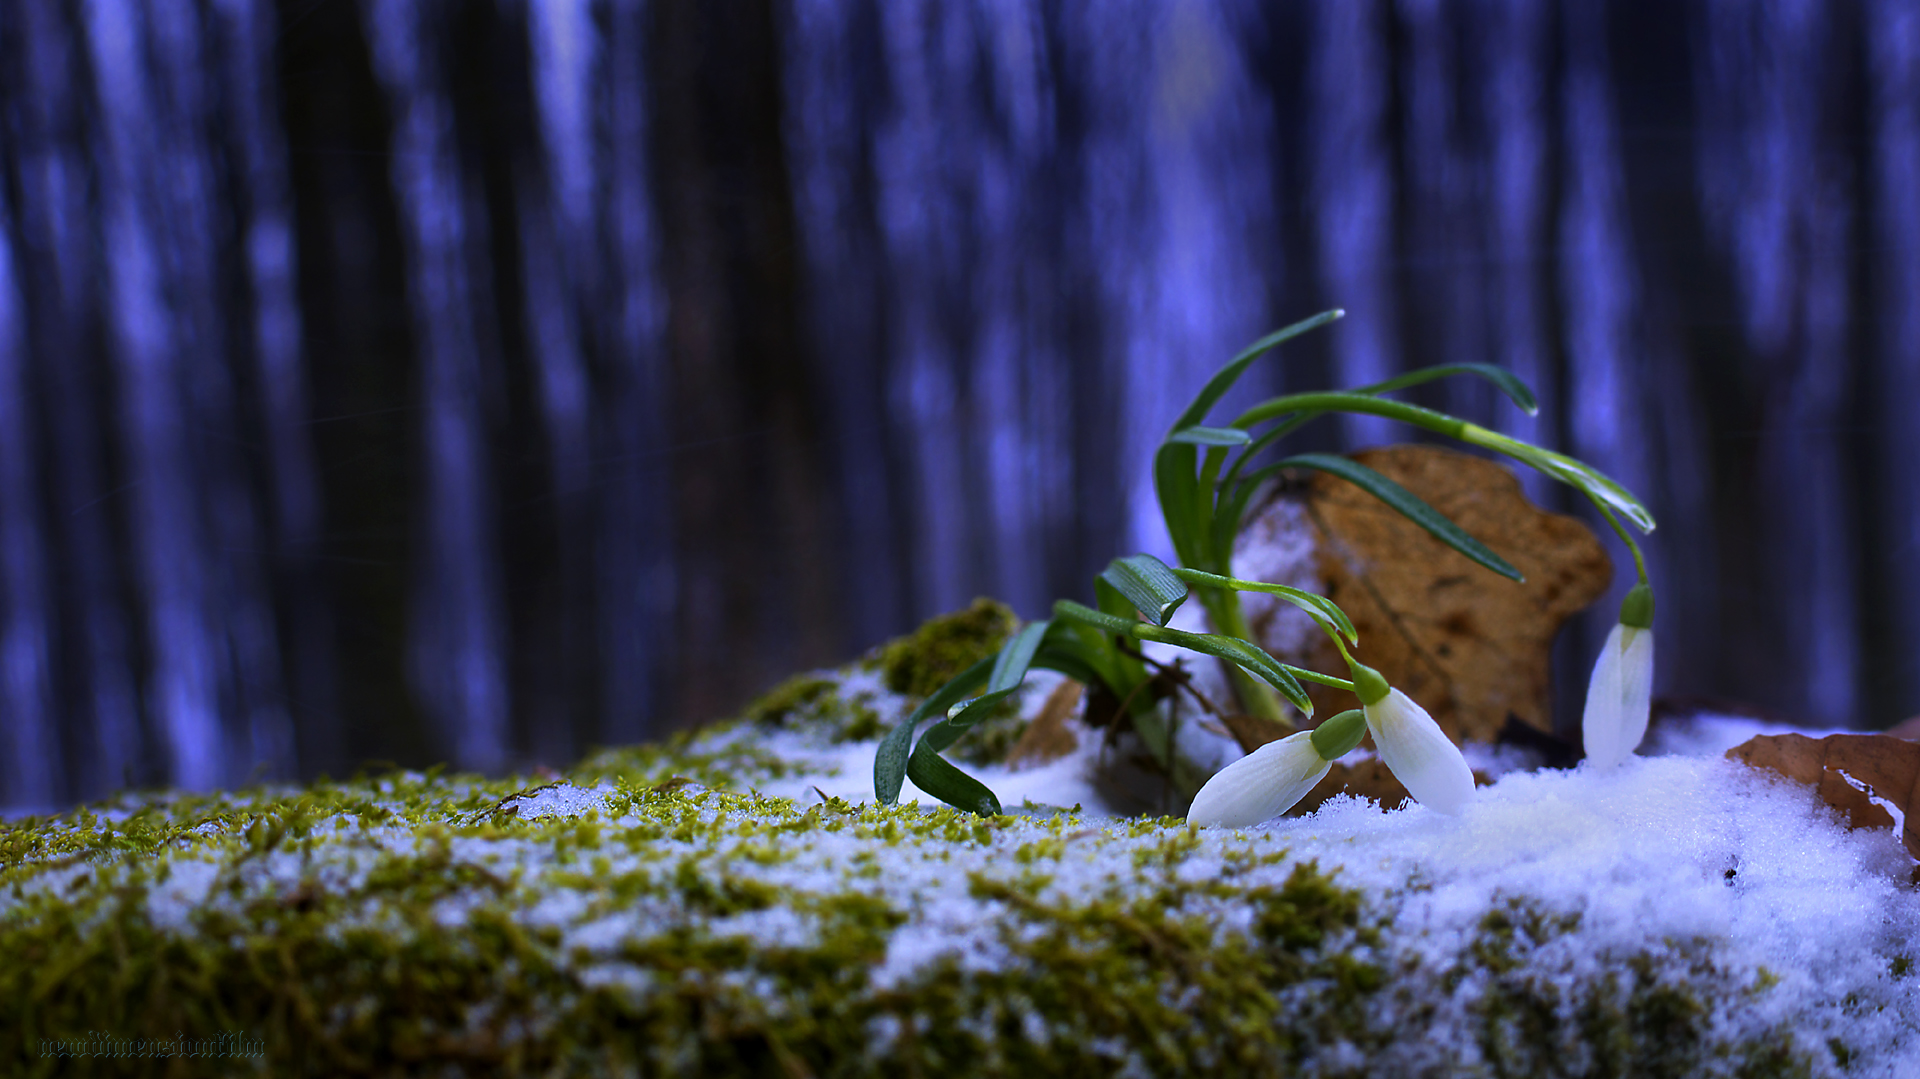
(1261, 785)
(1622, 683)
(1618, 696)
(1420, 754)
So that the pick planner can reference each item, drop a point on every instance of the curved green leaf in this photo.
(1267, 438)
(1318, 607)
(948, 730)
(1067, 657)
(934, 774)
(1275, 407)
(1223, 380)
(1408, 505)
(1248, 655)
(1504, 380)
(1181, 499)
(1087, 616)
(1211, 436)
(890, 760)
(1010, 666)
(1577, 474)
(1148, 584)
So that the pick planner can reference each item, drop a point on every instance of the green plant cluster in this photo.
(1202, 499)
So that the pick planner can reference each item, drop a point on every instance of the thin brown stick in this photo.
(1178, 675)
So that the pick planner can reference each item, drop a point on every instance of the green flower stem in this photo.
(1581, 476)
(1639, 563)
(1324, 679)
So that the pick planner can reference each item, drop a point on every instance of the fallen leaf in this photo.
(1847, 771)
(1472, 647)
(1047, 737)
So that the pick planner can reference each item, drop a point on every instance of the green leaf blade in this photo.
(1211, 436)
(1087, 616)
(1408, 505)
(1177, 485)
(1577, 474)
(1504, 380)
(937, 776)
(1435, 421)
(1318, 607)
(1249, 656)
(1223, 380)
(891, 760)
(948, 731)
(1148, 584)
(1010, 666)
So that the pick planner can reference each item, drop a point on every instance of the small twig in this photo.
(1113, 729)
(1178, 675)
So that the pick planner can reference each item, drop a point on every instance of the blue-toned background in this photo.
(480, 381)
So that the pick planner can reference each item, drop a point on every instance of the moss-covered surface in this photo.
(863, 700)
(398, 925)
(649, 914)
(822, 704)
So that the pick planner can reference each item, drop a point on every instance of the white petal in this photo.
(1420, 753)
(1261, 785)
(1617, 696)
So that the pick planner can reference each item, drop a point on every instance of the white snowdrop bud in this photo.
(1261, 785)
(1413, 746)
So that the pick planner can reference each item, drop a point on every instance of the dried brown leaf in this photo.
(1470, 646)
(1847, 771)
(1047, 737)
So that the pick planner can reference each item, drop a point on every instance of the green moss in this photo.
(368, 976)
(818, 703)
(1651, 1014)
(707, 756)
(930, 656)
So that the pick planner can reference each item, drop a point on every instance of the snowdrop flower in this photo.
(1270, 780)
(1617, 695)
(1412, 745)
(1260, 785)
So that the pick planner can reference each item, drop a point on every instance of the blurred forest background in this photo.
(480, 381)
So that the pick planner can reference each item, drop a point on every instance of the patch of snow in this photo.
(1710, 734)
(559, 800)
(171, 903)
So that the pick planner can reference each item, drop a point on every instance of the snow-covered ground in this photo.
(1566, 922)
(1680, 854)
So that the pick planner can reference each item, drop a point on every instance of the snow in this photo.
(171, 902)
(1711, 734)
(558, 800)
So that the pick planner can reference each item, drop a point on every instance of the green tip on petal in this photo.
(1368, 685)
(1636, 611)
(1337, 736)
